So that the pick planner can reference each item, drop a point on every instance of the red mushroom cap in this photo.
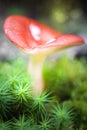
(29, 34)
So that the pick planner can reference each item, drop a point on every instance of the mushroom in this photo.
(38, 41)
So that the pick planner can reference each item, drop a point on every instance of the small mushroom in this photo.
(38, 41)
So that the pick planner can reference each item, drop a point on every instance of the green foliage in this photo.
(21, 93)
(68, 80)
(21, 123)
(80, 92)
(4, 125)
(63, 117)
(5, 98)
(80, 110)
(46, 123)
(61, 106)
(65, 73)
(40, 103)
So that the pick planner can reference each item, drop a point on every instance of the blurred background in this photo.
(68, 16)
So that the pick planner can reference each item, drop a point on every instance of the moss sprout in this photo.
(61, 106)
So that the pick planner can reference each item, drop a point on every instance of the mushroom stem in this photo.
(35, 70)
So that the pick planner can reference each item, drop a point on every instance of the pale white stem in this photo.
(35, 69)
(37, 58)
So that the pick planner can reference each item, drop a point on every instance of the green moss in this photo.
(61, 106)
(65, 74)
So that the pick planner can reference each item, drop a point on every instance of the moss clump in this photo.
(61, 106)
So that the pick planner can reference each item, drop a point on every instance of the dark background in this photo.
(51, 12)
(44, 6)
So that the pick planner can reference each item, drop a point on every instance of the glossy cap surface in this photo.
(28, 34)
